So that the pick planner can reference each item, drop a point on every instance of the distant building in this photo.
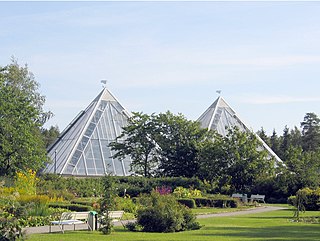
(221, 117)
(82, 148)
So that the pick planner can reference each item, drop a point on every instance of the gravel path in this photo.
(45, 229)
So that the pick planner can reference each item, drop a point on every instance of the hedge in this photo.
(214, 202)
(70, 187)
(188, 202)
(71, 206)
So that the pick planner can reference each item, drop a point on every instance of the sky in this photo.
(159, 56)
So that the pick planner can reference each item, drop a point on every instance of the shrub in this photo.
(10, 229)
(125, 203)
(37, 199)
(165, 214)
(182, 192)
(133, 226)
(106, 224)
(188, 202)
(25, 183)
(291, 200)
(35, 221)
(311, 201)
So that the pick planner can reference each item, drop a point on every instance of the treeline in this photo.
(299, 149)
(168, 145)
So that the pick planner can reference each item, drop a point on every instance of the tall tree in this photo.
(178, 139)
(304, 166)
(296, 138)
(212, 159)
(274, 142)
(285, 143)
(50, 135)
(247, 163)
(137, 141)
(310, 132)
(263, 135)
(21, 116)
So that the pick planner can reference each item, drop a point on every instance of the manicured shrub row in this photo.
(217, 203)
(71, 206)
(134, 186)
(188, 202)
(83, 202)
(71, 187)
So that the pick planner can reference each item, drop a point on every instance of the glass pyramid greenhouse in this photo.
(82, 148)
(220, 117)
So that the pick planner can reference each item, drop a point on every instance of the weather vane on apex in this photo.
(104, 83)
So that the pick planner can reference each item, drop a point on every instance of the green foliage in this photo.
(137, 141)
(217, 202)
(246, 164)
(106, 225)
(21, 115)
(68, 187)
(188, 202)
(25, 182)
(310, 132)
(301, 198)
(179, 141)
(125, 203)
(107, 204)
(182, 192)
(165, 214)
(133, 226)
(50, 135)
(36, 221)
(213, 164)
(71, 207)
(304, 166)
(308, 199)
(10, 229)
(292, 200)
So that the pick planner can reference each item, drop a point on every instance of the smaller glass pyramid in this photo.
(82, 148)
(221, 117)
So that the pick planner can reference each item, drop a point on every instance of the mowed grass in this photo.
(275, 225)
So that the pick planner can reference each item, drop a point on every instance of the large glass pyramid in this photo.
(221, 117)
(82, 148)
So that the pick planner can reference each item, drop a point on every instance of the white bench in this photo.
(237, 195)
(257, 197)
(116, 215)
(70, 218)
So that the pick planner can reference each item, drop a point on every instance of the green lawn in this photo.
(276, 225)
